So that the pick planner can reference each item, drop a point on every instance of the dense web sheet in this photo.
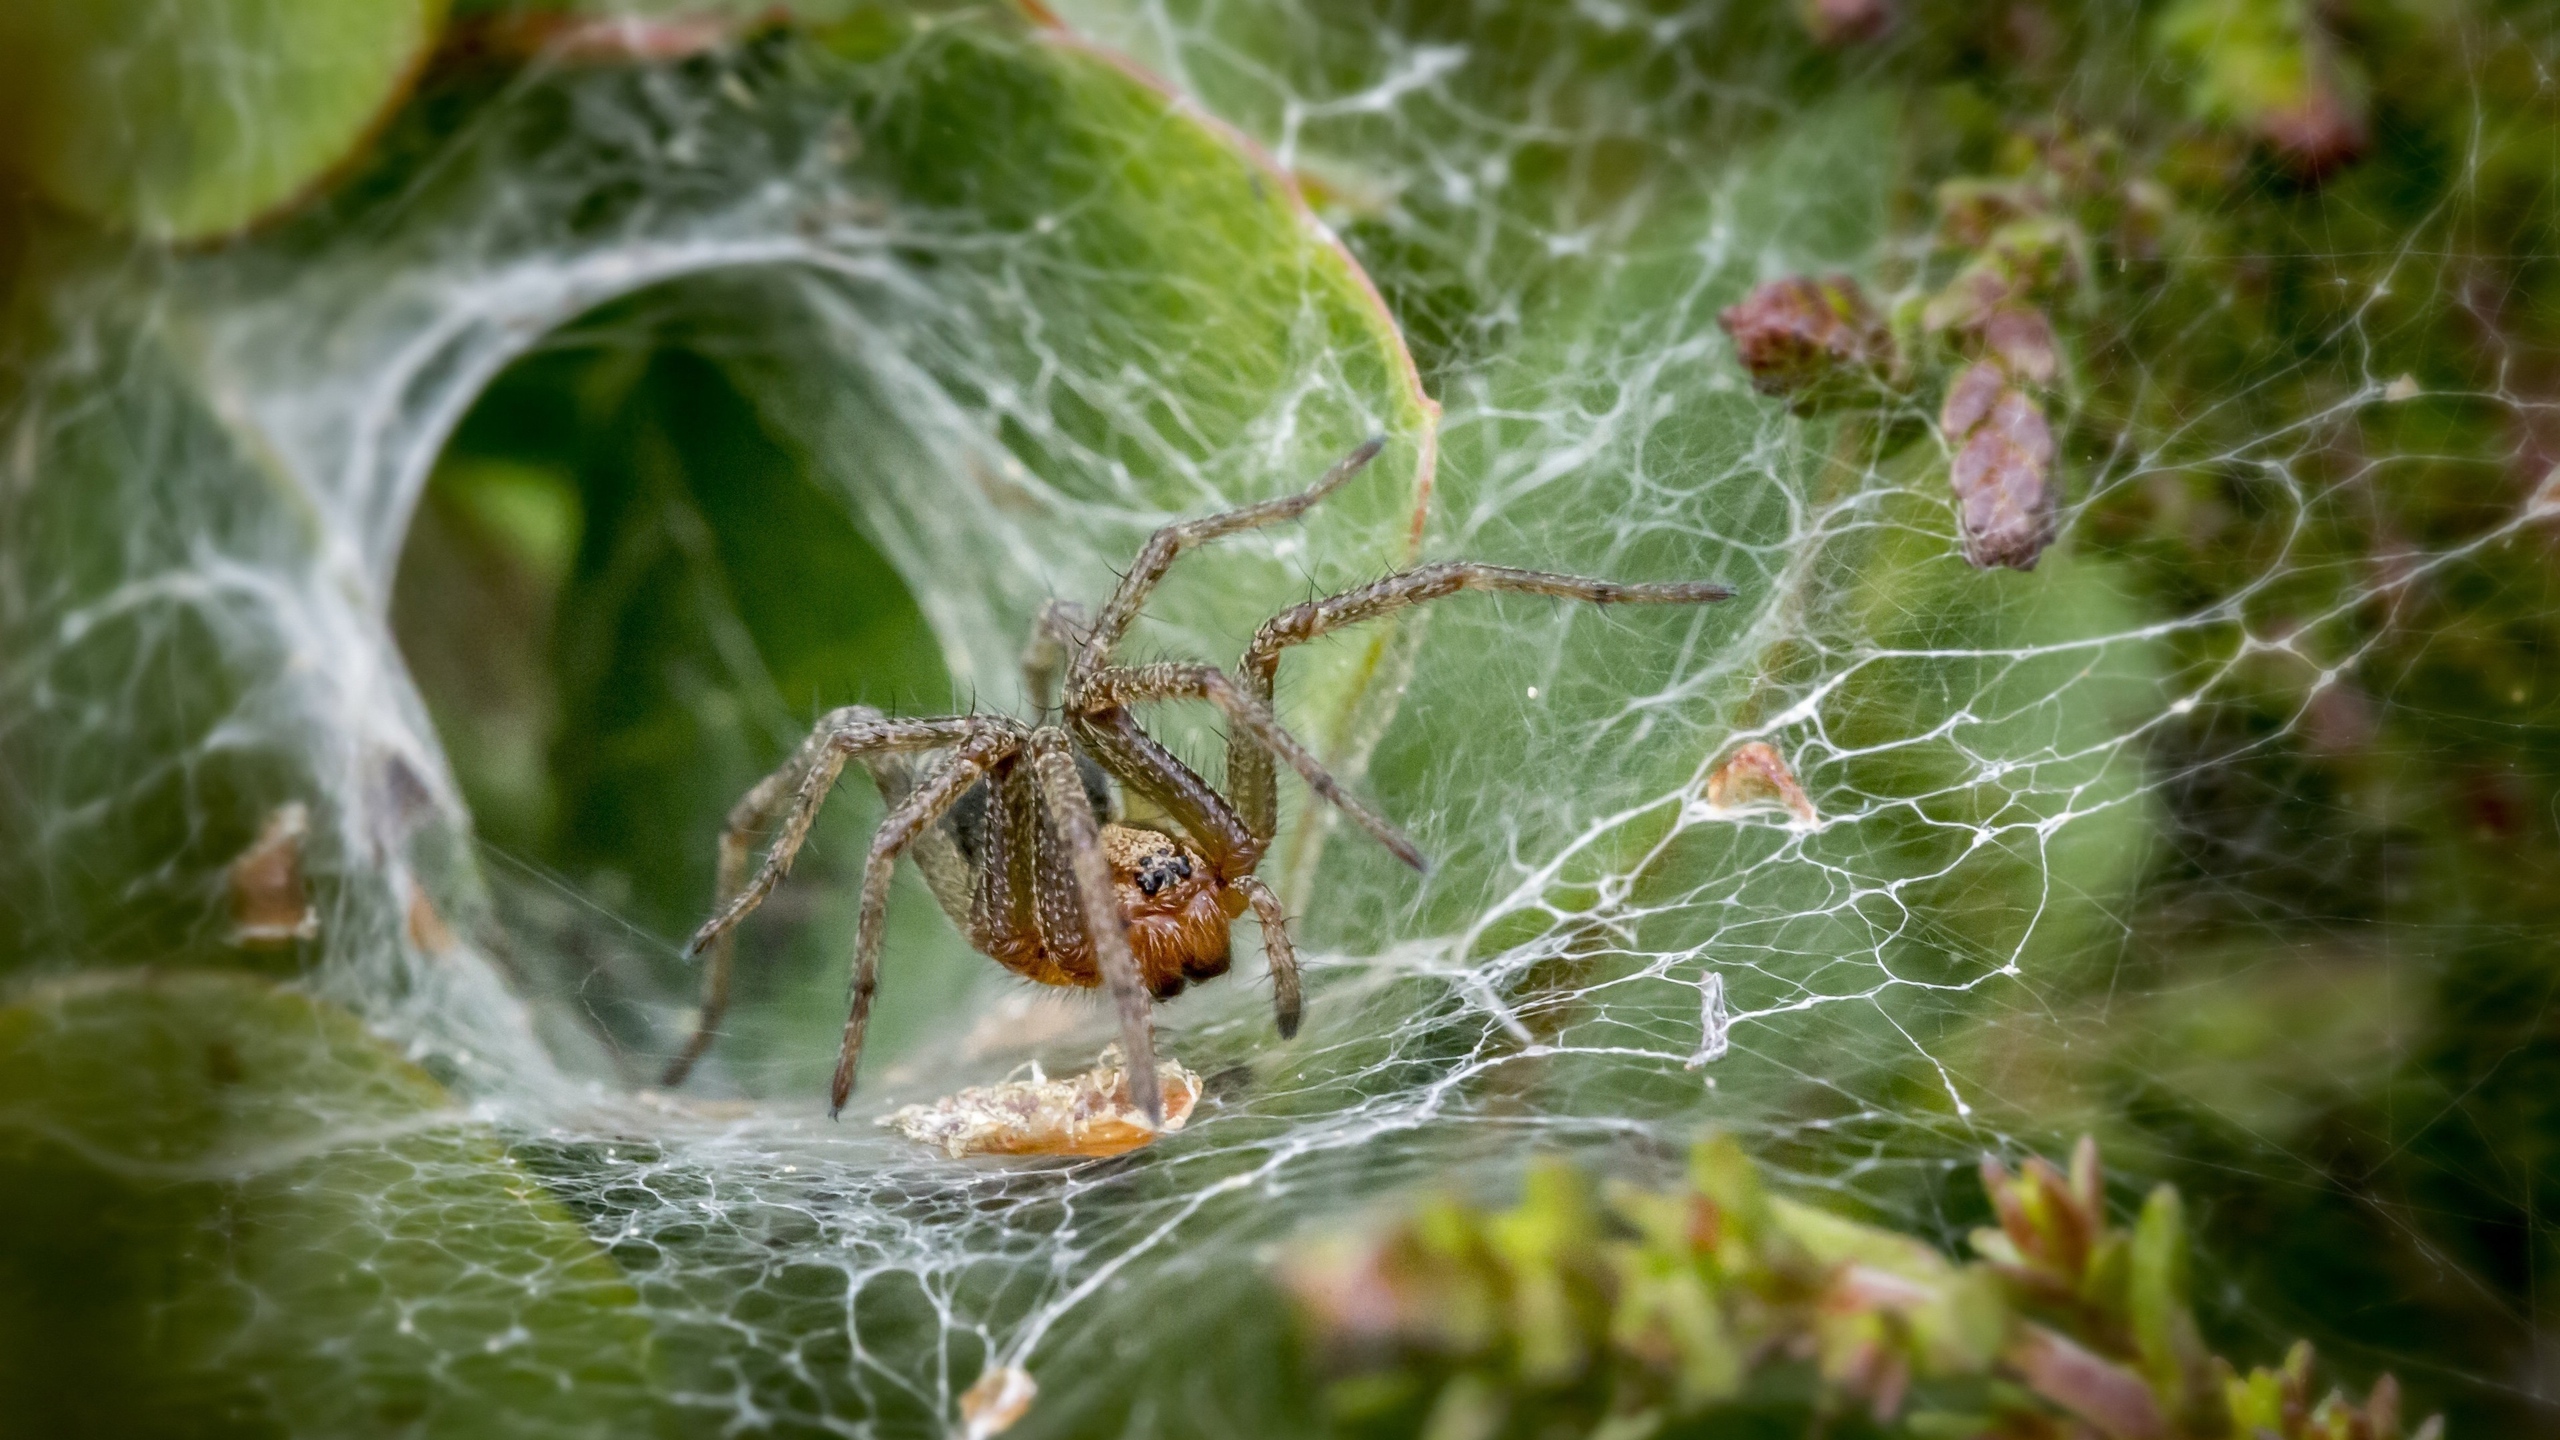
(1998, 832)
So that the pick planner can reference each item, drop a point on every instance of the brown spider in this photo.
(1013, 830)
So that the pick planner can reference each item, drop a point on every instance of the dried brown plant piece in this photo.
(426, 924)
(1091, 1114)
(270, 907)
(2003, 472)
(1002, 1396)
(1757, 771)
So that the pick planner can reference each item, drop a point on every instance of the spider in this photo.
(1015, 830)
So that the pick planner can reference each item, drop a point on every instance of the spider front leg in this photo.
(1056, 631)
(1249, 775)
(1121, 610)
(1129, 753)
(1098, 907)
(805, 780)
(1278, 952)
(1249, 718)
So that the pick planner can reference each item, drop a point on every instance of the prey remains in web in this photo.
(1016, 829)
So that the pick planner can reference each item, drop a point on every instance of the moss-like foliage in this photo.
(1720, 1308)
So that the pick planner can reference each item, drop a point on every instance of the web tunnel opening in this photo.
(624, 597)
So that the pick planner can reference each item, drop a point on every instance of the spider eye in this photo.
(1159, 870)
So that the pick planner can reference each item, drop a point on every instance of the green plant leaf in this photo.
(192, 121)
(225, 1208)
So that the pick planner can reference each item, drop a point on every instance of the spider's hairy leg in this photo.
(1131, 755)
(1071, 813)
(805, 781)
(1249, 776)
(752, 813)
(1158, 555)
(914, 817)
(1056, 631)
(1277, 952)
(838, 747)
(1247, 716)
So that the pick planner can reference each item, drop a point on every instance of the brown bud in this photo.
(2272, 68)
(2022, 339)
(2003, 473)
(1971, 211)
(1833, 23)
(2112, 1399)
(2317, 133)
(1813, 341)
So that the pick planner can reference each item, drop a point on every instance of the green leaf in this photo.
(225, 1208)
(189, 121)
(2170, 1348)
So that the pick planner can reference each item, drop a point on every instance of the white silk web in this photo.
(1999, 831)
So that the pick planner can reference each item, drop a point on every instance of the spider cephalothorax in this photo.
(1016, 831)
(1177, 906)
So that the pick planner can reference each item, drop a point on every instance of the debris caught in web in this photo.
(426, 924)
(270, 906)
(1715, 1023)
(1089, 1115)
(1002, 1396)
(1756, 772)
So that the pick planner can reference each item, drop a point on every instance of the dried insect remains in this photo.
(1014, 829)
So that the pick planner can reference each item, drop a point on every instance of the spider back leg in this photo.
(754, 810)
(917, 816)
(1056, 631)
(796, 790)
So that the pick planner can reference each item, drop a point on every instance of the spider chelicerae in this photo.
(1015, 829)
